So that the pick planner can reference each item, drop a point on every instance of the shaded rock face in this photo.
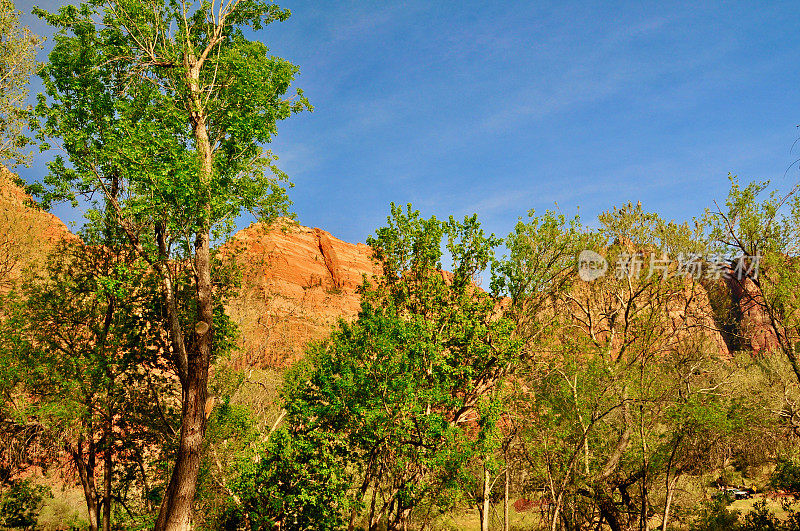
(297, 282)
(755, 328)
(741, 315)
(27, 235)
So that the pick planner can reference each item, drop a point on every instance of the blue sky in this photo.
(500, 107)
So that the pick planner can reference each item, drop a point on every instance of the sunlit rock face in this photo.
(297, 282)
(27, 235)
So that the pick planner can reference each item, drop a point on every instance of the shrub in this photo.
(786, 476)
(21, 504)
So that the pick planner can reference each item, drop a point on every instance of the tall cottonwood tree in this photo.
(162, 108)
(407, 397)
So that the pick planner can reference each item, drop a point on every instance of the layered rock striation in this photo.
(297, 282)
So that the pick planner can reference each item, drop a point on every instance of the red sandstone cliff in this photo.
(27, 235)
(296, 283)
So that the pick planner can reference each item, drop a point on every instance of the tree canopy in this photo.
(18, 47)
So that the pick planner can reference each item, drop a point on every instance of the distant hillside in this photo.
(297, 282)
(27, 235)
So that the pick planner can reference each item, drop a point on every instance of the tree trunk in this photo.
(108, 434)
(373, 523)
(557, 509)
(505, 503)
(86, 474)
(670, 491)
(645, 509)
(108, 470)
(403, 519)
(176, 509)
(486, 499)
(91, 508)
(145, 484)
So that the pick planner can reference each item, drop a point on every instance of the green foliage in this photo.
(296, 479)
(715, 516)
(117, 98)
(21, 503)
(632, 225)
(760, 518)
(412, 385)
(18, 48)
(83, 354)
(541, 251)
(786, 476)
(540, 263)
(231, 435)
(754, 220)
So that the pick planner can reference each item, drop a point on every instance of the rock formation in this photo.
(664, 317)
(297, 282)
(27, 235)
(755, 329)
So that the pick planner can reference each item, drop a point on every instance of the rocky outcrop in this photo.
(27, 235)
(754, 325)
(329, 257)
(690, 314)
(297, 282)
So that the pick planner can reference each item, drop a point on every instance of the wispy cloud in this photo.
(602, 72)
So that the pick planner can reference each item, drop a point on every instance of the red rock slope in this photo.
(296, 283)
(27, 235)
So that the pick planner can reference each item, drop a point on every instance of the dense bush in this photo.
(786, 476)
(21, 504)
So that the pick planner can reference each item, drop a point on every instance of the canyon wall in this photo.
(297, 282)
